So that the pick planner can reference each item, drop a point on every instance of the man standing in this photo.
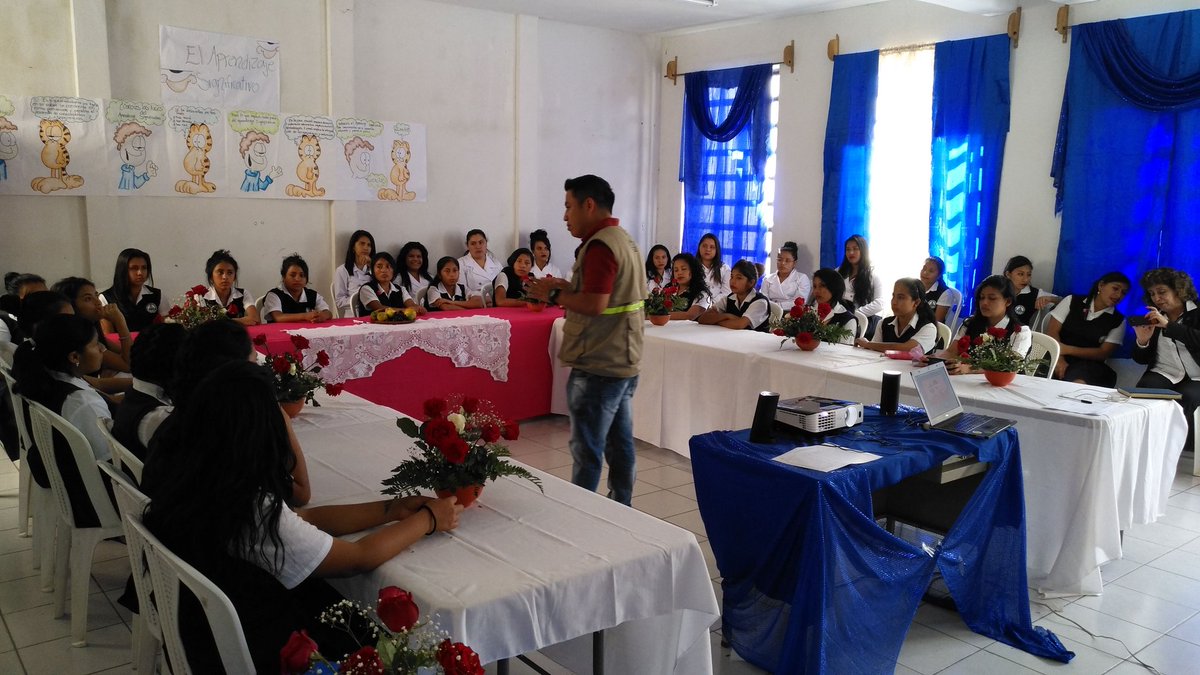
(602, 338)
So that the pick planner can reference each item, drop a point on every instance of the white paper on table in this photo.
(1079, 406)
(824, 457)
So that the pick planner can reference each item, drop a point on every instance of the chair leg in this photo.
(25, 485)
(145, 647)
(45, 524)
(60, 541)
(83, 549)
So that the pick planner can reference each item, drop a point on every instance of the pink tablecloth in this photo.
(405, 382)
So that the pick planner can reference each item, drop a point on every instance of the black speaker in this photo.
(889, 392)
(764, 417)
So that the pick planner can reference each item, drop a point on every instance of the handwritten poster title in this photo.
(215, 69)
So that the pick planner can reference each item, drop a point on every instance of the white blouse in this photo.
(82, 408)
(715, 288)
(346, 284)
(871, 308)
(784, 293)
(550, 270)
(1021, 342)
(475, 277)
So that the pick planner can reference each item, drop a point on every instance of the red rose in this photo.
(796, 312)
(490, 432)
(804, 337)
(824, 308)
(299, 342)
(977, 340)
(396, 609)
(198, 290)
(322, 358)
(798, 303)
(175, 310)
(365, 661)
(280, 365)
(231, 310)
(455, 450)
(458, 659)
(997, 333)
(260, 339)
(439, 431)
(1017, 328)
(334, 389)
(780, 332)
(964, 344)
(296, 655)
(435, 407)
(470, 405)
(510, 431)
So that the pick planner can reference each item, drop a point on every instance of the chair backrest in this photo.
(776, 313)
(334, 307)
(861, 320)
(422, 295)
(953, 315)
(131, 503)
(20, 409)
(258, 304)
(45, 423)
(168, 571)
(943, 334)
(1044, 345)
(122, 456)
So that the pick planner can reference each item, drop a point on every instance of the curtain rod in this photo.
(789, 60)
(1014, 35)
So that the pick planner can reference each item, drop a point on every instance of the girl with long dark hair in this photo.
(1089, 329)
(911, 325)
(354, 272)
(508, 288)
(132, 293)
(940, 297)
(827, 288)
(688, 279)
(863, 286)
(413, 269)
(221, 271)
(993, 309)
(716, 272)
(658, 268)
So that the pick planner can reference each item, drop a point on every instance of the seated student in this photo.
(447, 294)
(911, 324)
(1089, 329)
(658, 269)
(221, 270)
(864, 288)
(477, 268)
(827, 288)
(221, 490)
(147, 403)
(293, 301)
(19, 285)
(993, 309)
(1169, 345)
(785, 284)
(1027, 299)
(940, 297)
(415, 277)
(85, 300)
(380, 292)
(508, 288)
(744, 307)
(716, 272)
(539, 241)
(354, 272)
(688, 279)
(131, 292)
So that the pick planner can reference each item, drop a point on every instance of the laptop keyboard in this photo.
(967, 423)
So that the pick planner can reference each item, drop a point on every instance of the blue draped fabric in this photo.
(848, 131)
(970, 124)
(726, 126)
(811, 584)
(1127, 158)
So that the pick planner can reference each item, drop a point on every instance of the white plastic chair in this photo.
(122, 456)
(861, 320)
(24, 479)
(943, 334)
(168, 572)
(776, 313)
(1044, 345)
(33, 499)
(74, 545)
(147, 630)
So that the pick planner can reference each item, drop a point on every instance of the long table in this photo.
(1087, 478)
(526, 571)
(520, 388)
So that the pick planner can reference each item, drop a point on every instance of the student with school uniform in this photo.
(827, 288)
(477, 268)
(380, 291)
(1089, 329)
(658, 269)
(716, 272)
(293, 300)
(354, 272)
(508, 288)
(940, 297)
(864, 289)
(414, 277)
(1027, 298)
(1169, 344)
(86, 301)
(785, 284)
(911, 324)
(744, 307)
(131, 292)
(539, 243)
(147, 403)
(447, 294)
(221, 270)
(993, 310)
(688, 280)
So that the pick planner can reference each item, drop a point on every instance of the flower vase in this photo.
(808, 345)
(292, 408)
(660, 319)
(999, 379)
(535, 306)
(466, 494)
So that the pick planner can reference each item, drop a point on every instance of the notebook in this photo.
(1147, 392)
(945, 410)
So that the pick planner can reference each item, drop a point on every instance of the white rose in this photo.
(460, 422)
(292, 370)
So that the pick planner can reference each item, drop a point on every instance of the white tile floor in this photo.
(1151, 601)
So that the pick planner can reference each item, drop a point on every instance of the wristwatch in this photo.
(553, 295)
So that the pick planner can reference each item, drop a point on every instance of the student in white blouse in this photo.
(940, 297)
(413, 270)
(658, 269)
(911, 324)
(864, 289)
(539, 242)
(354, 272)
(716, 272)
(477, 268)
(784, 285)
(993, 313)
(827, 288)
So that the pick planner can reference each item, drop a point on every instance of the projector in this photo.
(818, 415)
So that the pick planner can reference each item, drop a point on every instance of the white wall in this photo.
(1026, 222)
(512, 106)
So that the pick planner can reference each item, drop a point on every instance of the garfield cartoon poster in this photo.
(138, 139)
(51, 145)
(196, 157)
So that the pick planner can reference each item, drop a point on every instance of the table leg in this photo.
(598, 653)
(502, 667)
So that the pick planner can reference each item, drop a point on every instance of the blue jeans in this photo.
(602, 428)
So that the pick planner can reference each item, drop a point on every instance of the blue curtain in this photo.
(848, 132)
(970, 123)
(1127, 158)
(726, 126)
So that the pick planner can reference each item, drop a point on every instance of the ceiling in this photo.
(655, 16)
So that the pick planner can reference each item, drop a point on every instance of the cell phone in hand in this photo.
(1137, 321)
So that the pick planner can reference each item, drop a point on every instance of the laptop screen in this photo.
(936, 392)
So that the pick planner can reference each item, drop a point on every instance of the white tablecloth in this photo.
(525, 571)
(1086, 477)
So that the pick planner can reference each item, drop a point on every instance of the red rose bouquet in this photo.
(458, 446)
(665, 301)
(803, 319)
(992, 351)
(194, 310)
(392, 639)
(293, 380)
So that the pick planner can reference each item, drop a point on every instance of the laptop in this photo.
(944, 409)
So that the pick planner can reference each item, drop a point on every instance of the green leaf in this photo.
(408, 426)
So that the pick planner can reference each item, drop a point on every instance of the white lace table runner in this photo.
(355, 351)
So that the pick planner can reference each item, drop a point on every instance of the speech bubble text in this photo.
(180, 117)
(64, 108)
(147, 113)
(296, 126)
(349, 127)
(242, 121)
(6, 106)
(377, 181)
(402, 129)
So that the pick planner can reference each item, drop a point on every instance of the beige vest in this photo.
(609, 344)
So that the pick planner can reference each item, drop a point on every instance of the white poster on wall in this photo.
(254, 148)
(137, 137)
(51, 145)
(218, 70)
(196, 152)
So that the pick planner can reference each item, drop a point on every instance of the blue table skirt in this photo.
(812, 584)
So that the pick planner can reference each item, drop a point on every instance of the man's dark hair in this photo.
(591, 186)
